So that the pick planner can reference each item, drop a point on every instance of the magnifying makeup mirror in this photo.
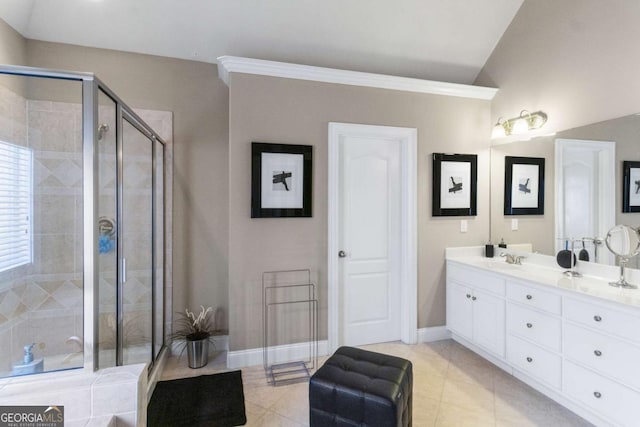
(624, 242)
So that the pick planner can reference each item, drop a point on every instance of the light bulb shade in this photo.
(520, 126)
(498, 131)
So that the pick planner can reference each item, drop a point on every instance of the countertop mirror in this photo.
(623, 241)
(582, 188)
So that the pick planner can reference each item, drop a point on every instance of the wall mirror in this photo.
(583, 188)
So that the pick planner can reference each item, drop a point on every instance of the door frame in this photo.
(607, 180)
(408, 138)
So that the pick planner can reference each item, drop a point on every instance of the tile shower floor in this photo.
(452, 387)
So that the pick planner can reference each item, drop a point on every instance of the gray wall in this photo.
(289, 111)
(198, 100)
(13, 51)
(574, 59)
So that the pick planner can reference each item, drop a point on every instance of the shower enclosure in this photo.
(83, 226)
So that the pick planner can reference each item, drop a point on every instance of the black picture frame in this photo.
(269, 190)
(520, 174)
(630, 186)
(455, 180)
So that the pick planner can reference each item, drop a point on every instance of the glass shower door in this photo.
(137, 246)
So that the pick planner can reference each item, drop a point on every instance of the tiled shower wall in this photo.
(42, 303)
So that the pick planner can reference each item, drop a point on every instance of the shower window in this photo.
(16, 193)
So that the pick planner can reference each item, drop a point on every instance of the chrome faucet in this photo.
(512, 259)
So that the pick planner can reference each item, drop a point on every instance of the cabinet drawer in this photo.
(476, 279)
(603, 353)
(535, 361)
(603, 319)
(533, 297)
(543, 329)
(601, 395)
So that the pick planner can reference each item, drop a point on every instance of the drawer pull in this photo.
(474, 298)
(597, 353)
(597, 394)
(529, 325)
(468, 295)
(529, 359)
(529, 297)
(597, 318)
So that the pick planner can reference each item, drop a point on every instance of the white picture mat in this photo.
(461, 172)
(291, 199)
(634, 198)
(519, 174)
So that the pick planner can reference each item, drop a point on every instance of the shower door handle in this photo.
(124, 270)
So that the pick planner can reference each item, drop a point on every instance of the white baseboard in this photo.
(277, 354)
(220, 343)
(300, 351)
(434, 333)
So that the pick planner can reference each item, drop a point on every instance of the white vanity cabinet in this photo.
(534, 332)
(581, 350)
(601, 356)
(475, 307)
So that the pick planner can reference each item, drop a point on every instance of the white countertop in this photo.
(543, 270)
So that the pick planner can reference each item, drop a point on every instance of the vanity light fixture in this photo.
(518, 125)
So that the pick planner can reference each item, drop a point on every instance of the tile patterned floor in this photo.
(452, 387)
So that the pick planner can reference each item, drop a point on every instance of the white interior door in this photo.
(370, 239)
(585, 194)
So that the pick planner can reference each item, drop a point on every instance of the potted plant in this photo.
(196, 331)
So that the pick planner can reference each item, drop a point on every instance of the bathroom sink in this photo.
(500, 265)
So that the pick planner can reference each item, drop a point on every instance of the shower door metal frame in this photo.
(122, 114)
(91, 85)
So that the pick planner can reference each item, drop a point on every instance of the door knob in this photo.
(342, 254)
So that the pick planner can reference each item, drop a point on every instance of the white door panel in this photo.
(366, 203)
(375, 308)
(370, 236)
(366, 266)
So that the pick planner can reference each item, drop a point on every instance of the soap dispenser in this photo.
(28, 364)
(488, 250)
(502, 244)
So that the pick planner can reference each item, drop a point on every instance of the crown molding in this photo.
(235, 64)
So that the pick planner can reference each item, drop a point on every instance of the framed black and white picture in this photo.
(281, 180)
(455, 179)
(630, 186)
(523, 185)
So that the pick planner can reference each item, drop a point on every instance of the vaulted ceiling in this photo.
(447, 40)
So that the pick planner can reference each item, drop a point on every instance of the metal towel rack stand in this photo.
(282, 294)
